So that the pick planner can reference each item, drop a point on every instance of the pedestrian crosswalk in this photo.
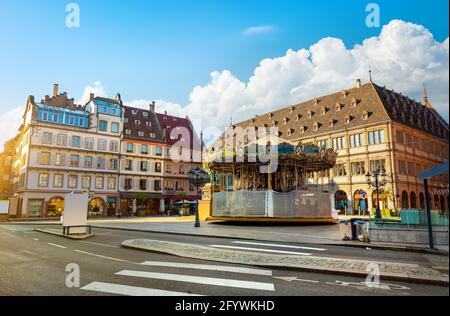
(262, 247)
(201, 275)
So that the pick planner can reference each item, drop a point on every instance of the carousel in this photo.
(272, 189)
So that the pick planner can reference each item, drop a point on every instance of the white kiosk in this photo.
(75, 214)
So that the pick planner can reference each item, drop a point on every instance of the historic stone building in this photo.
(6, 168)
(114, 153)
(142, 162)
(176, 182)
(370, 127)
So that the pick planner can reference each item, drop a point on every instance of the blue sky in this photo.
(163, 48)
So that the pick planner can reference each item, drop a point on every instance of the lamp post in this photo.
(377, 180)
(198, 177)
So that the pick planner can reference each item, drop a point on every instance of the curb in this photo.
(403, 277)
(376, 247)
(65, 236)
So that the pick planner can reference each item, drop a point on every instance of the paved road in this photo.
(33, 263)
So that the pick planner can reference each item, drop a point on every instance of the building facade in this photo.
(6, 168)
(176, 183)
(370, 127)
(114, 153)
(142, 162)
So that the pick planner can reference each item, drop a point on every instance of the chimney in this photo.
(152, 106)
(165, 112)
(91, 96)
(55, 89)
(358, 83)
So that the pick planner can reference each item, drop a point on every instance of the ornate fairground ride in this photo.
(274, 189)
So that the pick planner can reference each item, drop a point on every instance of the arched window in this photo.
(341, 201)
(96, 207)
(413, 200)
(360, 202)
(442, 203)
(422, 201)
(55, 207)
(405, 200)
(383, 200)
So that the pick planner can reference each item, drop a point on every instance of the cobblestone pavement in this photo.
(388, 270)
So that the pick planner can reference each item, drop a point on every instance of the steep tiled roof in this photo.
(352, 108)
(409, 112)
(144, 121)
(169, 123)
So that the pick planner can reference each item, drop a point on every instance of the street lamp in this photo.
(198, 178)
(377, 180)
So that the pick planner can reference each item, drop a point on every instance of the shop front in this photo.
(140, 203)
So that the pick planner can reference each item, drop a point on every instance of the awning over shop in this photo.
(137, 195)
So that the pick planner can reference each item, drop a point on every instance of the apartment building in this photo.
(178, 130)
(67, 148)
(142, 162)
(6, 168)
(370, 127)
(116, 154)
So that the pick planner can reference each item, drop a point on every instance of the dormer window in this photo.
(270, 115)
(145, 114)
(310, 114)
(152, 135)
(137, 122)
(291, 109)
(285, 121)
(141, 134)
(365, 115)
(338, 106)
(344, 94)
(316, 102)
(125, 120)
(128, 131)
(348, 119)
(274, 123)
(331, 123)
(316, 126)
(298, 117)
(290, 132)
(302, 129)
(323, 111)
(149, 124)
(354, 102)
(134, 112)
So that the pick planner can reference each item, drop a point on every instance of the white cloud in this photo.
(10, 122)
(258, 29)
(402, 57)
(97, 88)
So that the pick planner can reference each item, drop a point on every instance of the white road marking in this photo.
(55, 245)
(200, 280)
(277, 245)
(291, 279)
(208, 267)
(262, 250)
(100, 256)
(35, 239)
(129, 290)
(98, 244)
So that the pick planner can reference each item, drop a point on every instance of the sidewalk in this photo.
(361, 268)
(323, 234)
